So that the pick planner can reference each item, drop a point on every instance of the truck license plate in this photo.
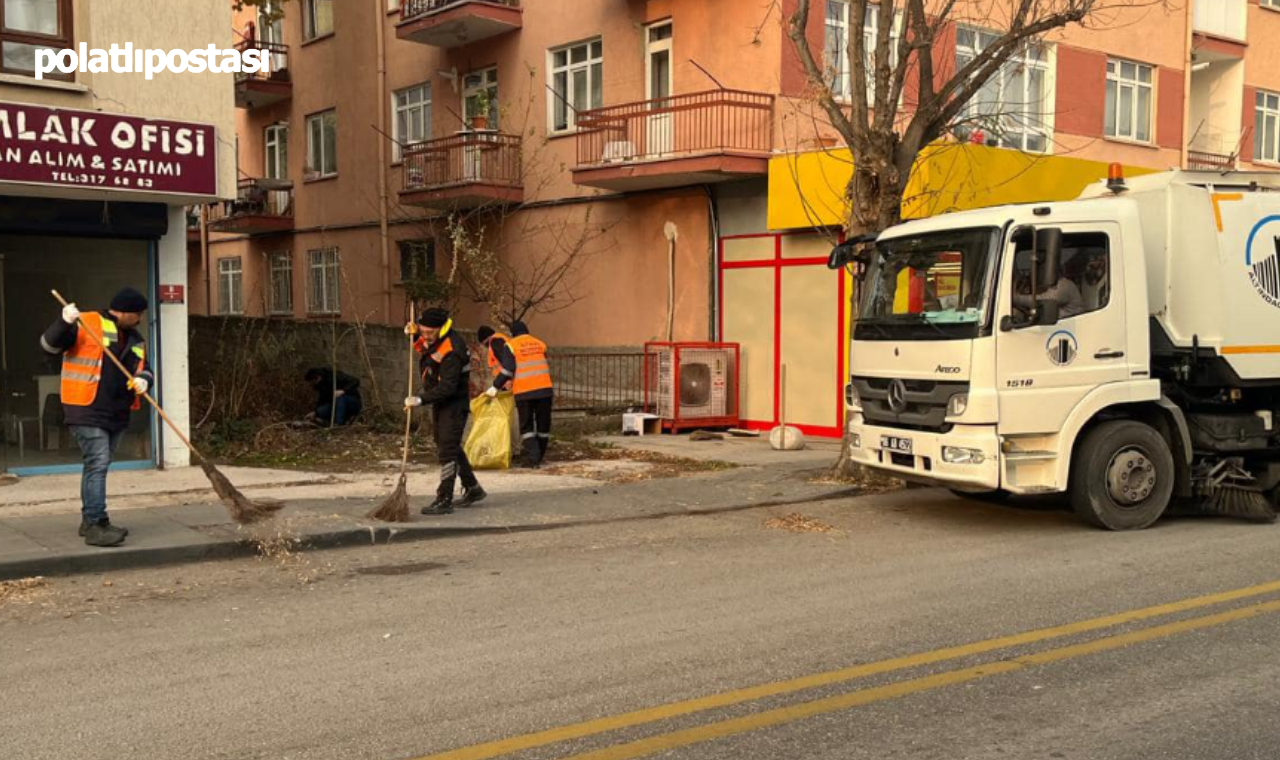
(895, 444)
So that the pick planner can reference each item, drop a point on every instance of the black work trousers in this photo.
(535, 429)
(450, 420)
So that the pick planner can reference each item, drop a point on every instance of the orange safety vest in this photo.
(494, 365)
(533, 373)
(82, 363)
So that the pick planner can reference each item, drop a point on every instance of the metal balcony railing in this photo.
(278, 55)
(470, 158)
(410, 9)
(1201, 160)
(256, 199)
(681, 126)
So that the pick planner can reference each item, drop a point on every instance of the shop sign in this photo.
(89, 149)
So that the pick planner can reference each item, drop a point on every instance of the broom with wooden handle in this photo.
(243, 509)
(395, 508)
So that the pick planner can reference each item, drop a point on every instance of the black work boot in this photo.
(103, 533)
(105, 521)
(472, 496)
(441, 506)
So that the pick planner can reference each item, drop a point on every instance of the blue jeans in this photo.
(98, 446)
(347, 410)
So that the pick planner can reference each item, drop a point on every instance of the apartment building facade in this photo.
(96, 171)
(674, 148)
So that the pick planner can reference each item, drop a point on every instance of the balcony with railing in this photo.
(454, 23)
(693, 139)
(262, 206)
(272, 86)
(466, 170)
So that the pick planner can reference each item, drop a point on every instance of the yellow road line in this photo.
(748, 694)
(769, 718)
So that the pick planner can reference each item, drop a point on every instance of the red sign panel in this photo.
(64, 148)
(172, 293)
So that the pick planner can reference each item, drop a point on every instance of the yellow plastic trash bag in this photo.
(488, 446)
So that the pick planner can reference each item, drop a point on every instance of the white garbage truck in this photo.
(1123, 348)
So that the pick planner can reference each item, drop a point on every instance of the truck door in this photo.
(1042, 372)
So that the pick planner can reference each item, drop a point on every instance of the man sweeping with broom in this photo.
(97, 397)
(446, 381)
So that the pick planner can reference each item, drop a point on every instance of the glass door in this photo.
(660, 129)
(88, 272)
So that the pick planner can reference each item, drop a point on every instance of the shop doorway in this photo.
(35, 440)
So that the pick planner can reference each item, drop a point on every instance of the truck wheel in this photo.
(997, 496)
(1121, 476)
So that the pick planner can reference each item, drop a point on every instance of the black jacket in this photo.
(112, 404)
(446, 370)
(349, 385)
(506, 361)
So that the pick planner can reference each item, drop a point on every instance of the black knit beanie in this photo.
(434, 317)
(484, 333)
(129, 301)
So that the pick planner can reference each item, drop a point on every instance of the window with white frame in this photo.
(280, 297)
(230, 286)
(1271, 3)
(322, 145)
(1130, 94)
(323, 277)
(317, 18)
(577, 82)
(1266, 127)
(836, 56)
(412, 124)
(1013, 108)
(478, 88)
(276, 140)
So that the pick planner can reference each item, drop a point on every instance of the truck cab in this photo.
(1010, 351)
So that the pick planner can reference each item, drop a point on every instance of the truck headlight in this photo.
(851, 397)
(957, 405)
(961, 455)
(855, 440)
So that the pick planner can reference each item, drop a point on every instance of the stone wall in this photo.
(272, 355)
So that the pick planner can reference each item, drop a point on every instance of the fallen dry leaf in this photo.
(797, 523)
(24, 590)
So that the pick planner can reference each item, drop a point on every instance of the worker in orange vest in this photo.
(502, 363)
(97, 398)
(534, 393)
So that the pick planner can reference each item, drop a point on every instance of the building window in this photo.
(836, 56)
(1012, 108)
(322, 145)
(1266, 127)
(317, 18)
(280, 297)
(1129, 97)
(230, 286)
(412, 124)
(323, 273)
(276, 139)
(417, 259)
(1271, 3)
(480, 87)
(577, 82)
(30, 25)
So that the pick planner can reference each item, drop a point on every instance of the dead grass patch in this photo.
(795, 522)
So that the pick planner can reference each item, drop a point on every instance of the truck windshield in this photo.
(928, 287)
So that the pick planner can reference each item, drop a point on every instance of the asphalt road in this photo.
(922, 626)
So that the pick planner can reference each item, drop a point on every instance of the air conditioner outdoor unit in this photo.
(692, 385)
(616, 152)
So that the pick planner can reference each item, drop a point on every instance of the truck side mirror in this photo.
(1048, 257)
(850, 251)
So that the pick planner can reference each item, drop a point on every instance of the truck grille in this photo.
(924, 407)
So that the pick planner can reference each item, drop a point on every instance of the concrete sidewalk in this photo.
(173, 517)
